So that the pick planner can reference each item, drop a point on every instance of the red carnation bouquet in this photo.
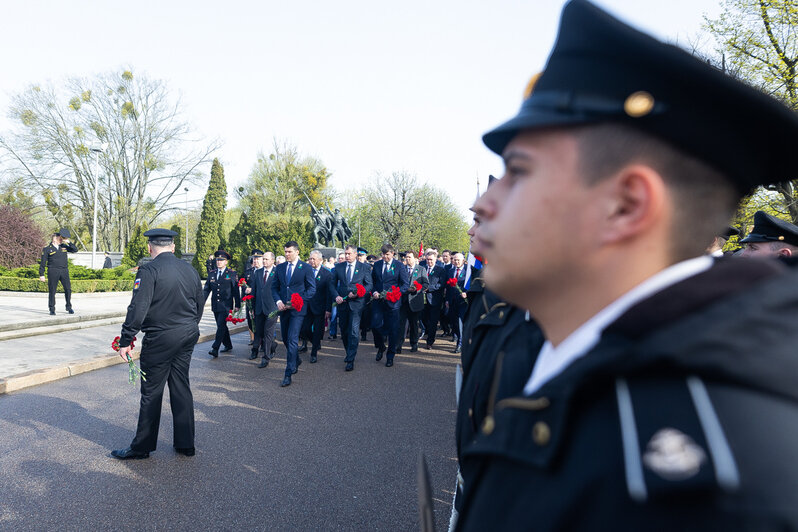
(296, 303)
(247, 297)
(133, 370)
(416, 286)
(236, 318)
(360, 291)
(453, 283)
(242, 281)
(393, 295)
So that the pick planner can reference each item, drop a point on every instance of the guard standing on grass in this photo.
(167, 305)
(54, 257)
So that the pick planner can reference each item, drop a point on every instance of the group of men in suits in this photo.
(426, 299)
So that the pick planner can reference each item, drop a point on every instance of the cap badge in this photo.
(781, 237)
(530, 86)
(673, 455)
(638, 104)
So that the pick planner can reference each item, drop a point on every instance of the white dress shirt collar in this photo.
(552, 360)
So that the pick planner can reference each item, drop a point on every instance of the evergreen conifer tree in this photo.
(211, 226)
(136, 247)
(179, 239)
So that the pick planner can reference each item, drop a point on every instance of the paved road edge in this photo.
(43, 376)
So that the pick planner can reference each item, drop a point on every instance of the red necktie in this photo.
(457, 274)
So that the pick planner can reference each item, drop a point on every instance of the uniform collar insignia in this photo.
(673, 455)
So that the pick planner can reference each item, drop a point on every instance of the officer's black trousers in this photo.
(53, 276)
(313, 329)
(165, 358)
(222, 332)
(406, 315)
(264, 335)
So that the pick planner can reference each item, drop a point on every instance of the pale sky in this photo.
(365, 86)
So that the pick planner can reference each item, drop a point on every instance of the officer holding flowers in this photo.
(223, 282)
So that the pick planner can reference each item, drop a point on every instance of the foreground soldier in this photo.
(167, 305)
(649, 407)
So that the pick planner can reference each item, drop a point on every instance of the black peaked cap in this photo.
(602, 70)
(768, 228)
(160, 234)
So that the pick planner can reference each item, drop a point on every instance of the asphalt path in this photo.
(334, 451)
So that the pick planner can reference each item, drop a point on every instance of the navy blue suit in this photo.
(313, 324)
(395, 275)
(351, 310)
(262, 305)
(457, 305)
(303, 283)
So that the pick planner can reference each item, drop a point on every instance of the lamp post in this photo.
(97, 152)
(185, 189)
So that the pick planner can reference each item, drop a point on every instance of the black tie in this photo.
(349, 273)
(288, 273)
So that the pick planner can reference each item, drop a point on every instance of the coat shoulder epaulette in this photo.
(681, 448)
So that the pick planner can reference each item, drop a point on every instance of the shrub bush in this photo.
(20, 284)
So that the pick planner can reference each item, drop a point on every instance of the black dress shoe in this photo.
(286, 381)
(226, 349)
(52, 313)
(349, 366)
(398, 350)
(129, 454)
(363, 337)
(456, 349)
(71, 311)
(379, 354)
(251, 342)
(186, 451)
(388, 363)
(313, 359)
(253, 356)
(264, 362)
(213, 353)
(429, 346)
(414, 349)
(303, 349)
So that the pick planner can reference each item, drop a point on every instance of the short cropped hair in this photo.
(161, 243)
(292, 244)
(316, 253)
(351, 246)
(431, 252)
(704, 199)
(386, 248)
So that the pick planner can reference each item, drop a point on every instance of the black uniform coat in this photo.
(167, 294)
(683, 417)
(226, 293)
(55, 258)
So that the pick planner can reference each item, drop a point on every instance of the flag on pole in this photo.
(420, 250)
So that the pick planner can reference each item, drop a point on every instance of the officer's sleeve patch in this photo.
(136, 284)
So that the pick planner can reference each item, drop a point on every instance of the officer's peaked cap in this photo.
(222, 254)
(362, 251)
(256, 253)
(602, 70)
(768, 228)
(64, 232)
(160, 234)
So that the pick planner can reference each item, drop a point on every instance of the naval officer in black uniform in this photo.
(665, 395)
(223, 282)
(54, 257)
(167, 305)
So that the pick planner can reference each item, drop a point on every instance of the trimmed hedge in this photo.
(18, 284)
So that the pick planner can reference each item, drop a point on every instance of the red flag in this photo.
(420, 249)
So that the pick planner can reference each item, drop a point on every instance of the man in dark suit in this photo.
(456, 302)
(435, 295)
(346, 276)
(254, 262)
(386, 274)
(412, 302)
(262, 305)
(292, 277)
(223, 282)
(319, 307)
(365, 316)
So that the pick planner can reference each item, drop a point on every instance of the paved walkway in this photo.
(334, 451)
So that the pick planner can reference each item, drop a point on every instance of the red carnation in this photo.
(247, 297)
(297, 302)
(394, 294)
(242, 281)
(417, 286)
(361, 290)
(452, 282)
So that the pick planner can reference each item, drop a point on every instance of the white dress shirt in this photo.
(553, 360)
